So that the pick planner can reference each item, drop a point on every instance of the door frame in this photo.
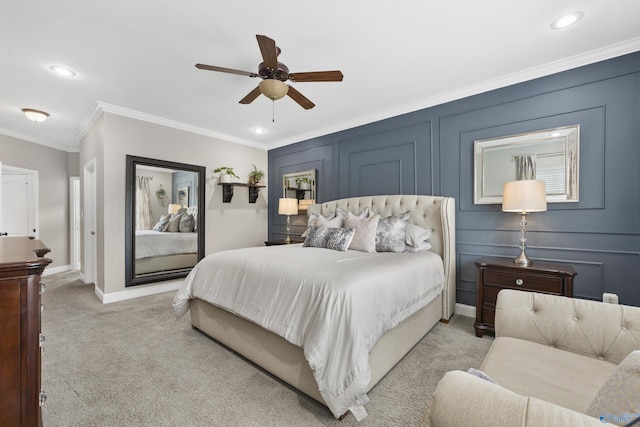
(89, 222)
(75, 224)
(34, 191)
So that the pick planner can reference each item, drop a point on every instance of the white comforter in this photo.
(151, 243)
(335, 305)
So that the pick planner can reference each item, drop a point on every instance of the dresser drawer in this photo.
(530, 282)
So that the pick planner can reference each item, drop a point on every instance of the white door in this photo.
(89, 222)
(74, 222)
(18, 201)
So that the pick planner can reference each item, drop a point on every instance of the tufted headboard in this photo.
(431, 212)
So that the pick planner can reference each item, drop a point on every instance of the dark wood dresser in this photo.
(21, 265)
(495, 274)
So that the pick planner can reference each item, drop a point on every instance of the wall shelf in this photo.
(227, 191)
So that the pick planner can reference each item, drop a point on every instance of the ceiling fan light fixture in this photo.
(273, 89)
(35, 115)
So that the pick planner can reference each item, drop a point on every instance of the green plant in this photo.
(255, 176)
(226, 170)
(301, 179)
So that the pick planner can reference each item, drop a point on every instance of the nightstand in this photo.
(496, 274)
(281, 242)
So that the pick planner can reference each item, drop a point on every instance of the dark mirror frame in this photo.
(132, 162)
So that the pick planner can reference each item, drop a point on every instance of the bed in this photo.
(289, 346)
(161, 250)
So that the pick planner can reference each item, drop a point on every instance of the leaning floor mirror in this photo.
(164, 219)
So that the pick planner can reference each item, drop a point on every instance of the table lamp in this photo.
(524, 196)
(288, 206)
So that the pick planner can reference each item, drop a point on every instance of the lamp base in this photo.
(523, 260)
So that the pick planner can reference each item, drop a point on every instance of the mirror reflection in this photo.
(165, 236)
(300, 186)
(549, 155)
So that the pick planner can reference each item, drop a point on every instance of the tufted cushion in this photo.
(591, 328)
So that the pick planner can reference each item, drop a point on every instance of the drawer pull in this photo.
(42, 287)
(519, 282)
(42, 397)
(41, 308)
(42, 339)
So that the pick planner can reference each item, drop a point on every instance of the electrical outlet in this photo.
(610, 298)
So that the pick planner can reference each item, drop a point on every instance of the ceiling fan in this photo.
(274, 74)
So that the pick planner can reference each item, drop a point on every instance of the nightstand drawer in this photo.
(524, 280)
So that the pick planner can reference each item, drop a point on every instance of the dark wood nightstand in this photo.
(281, 242)
(496, 274)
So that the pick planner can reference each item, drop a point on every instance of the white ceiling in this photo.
(137, 57)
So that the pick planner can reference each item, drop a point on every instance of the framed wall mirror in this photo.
(300, 186)
(550, 155)
(164, 219)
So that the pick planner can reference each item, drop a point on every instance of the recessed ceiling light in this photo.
(35, 115)
(62, 71)
(566, 20)
(259, 131)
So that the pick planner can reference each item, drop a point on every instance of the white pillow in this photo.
(317, 220)
(364, 238)
(416, 235)
(424, 246)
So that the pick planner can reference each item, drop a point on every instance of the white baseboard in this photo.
(466, 310)
(137, 291)
(54, 270)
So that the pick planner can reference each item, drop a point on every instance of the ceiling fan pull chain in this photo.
(273, 111)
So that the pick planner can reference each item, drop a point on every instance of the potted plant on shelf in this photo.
(225, 174)
(255, 176)
(303, 182)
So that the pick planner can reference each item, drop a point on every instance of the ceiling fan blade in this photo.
(317, 76)
(251, 96)
(225, 70)
(268, 50)
(300, 99)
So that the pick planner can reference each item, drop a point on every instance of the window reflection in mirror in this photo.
(300, 186)
(549, 155)
(164, 226)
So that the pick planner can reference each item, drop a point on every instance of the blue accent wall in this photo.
(431, 152)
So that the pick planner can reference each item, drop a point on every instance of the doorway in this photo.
(19, 199)
(75, 223)
(89, 222)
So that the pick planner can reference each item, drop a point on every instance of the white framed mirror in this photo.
(300, 186)
(550, 155)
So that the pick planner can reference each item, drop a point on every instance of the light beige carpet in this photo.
(132, 363)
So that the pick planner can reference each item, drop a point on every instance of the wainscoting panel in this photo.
(430, 151)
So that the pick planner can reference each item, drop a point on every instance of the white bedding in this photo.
(335, 305)
(151, 243)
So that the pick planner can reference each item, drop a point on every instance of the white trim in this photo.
(55, 270)
(33, 178)
(55, 145)
(137, 291)
(138, 115)
(75, 251)
(466, 310)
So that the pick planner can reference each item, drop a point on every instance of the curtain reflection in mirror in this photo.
(144, 218)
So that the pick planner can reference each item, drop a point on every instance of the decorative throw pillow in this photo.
(174, 223)
(416, 234)
(364, 238)
(619, 394)
(424, 246)
(364, 213)
(163, 223)
(337, 239)
(316, 220)
(480, 374)
(187, 222)
(391, 233)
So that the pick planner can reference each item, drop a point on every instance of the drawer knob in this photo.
(519, 282)
(42, 397)
(41, 308)
(42, 287)
(42, 339)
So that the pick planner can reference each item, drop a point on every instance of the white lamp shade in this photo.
(173, 208)
(273, 89)
(288, 206)
(528, 195)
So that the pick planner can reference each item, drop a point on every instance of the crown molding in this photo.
(590, 57)
(138, 115)
(38, 141)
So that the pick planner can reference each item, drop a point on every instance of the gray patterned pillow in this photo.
(187, 222)
(391, 232)
(619, 394)
(163, 223)
(174, 224)
(337, 239)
